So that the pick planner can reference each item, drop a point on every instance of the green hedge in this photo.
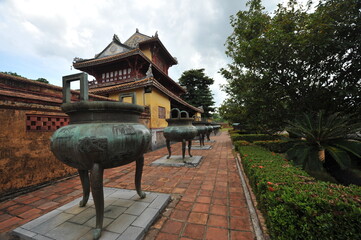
(278, 146)
(253, 137)
(295, 205)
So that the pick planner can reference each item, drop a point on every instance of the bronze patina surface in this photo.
(100, 135)
(180, 129)
(201, 129)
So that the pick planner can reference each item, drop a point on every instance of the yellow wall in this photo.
(138, 96)
(154, 100)
(157, 99)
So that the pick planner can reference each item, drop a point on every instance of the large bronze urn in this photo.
(180, 129)
(201, 129)
(100, 135)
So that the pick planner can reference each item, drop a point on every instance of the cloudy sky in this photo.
(40, 38)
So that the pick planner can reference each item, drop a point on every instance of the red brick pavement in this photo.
(207, 201)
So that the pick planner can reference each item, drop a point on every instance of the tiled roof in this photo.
(30, 96)
(23, 91)
(96, 61)
(142, 83)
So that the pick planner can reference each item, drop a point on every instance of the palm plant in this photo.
(320, 134)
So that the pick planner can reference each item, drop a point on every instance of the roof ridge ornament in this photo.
(116, 38)
(137, 30)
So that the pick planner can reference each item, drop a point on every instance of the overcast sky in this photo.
(40, 38)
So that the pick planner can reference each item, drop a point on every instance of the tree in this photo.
(324, 141)
(294, 61)
(43, 80)
(12, 73)
(198, 91)
(17, 75)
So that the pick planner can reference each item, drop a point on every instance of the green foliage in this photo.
(240, 143)
(253, 137)
(12, 73)
(322, 133)
(17, 75)
(43, 80)
(198, 91)
(277, 146)
(295, 205)
(293, 61)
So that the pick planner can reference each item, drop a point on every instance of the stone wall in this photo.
(29, 114)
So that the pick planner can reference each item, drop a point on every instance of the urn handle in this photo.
(184, 112)
(178, 113)
(83, 77)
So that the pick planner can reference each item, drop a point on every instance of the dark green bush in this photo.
(295, 205)
(240, 143)
(253, 137)
(278, 146)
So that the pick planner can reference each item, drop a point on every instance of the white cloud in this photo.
(41, 37)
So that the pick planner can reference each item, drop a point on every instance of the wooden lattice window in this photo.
(161, 112)
(36, 122)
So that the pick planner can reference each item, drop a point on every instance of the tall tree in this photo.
(198, 91)
(294, 61)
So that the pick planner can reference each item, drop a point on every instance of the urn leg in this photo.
(96, 182)
(168, 147)
(201, 140)
(189, 147)
(208, 136)
(84, 178)
(183, 149)
(138, 176)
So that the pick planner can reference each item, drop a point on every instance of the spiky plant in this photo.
(322, 133)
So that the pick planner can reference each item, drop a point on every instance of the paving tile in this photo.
(239, 212)
(146, 218)
(194, 231)
(172, 227)
(62, 231)
(218, 221)
(210, 201)
(240, 223)
(216, 233)
(137, 208)
(160, 201)
(198, 218)
(166, 236)
(219, 210)
(201, 207)
(132, 232)
(179, 215)
(83, 216)
(38, 221)
(239, 235)
(52, 223)
(91, 222)
(123, 203)
(121, 223)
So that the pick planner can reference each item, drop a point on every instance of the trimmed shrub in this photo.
(278, 146)
(295, 205)
(240, 143)
(253, 137)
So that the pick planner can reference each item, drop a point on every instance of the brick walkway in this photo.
(207, 201)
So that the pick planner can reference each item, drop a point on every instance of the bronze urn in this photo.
(100, 135)
(201, 128)
(180, 129)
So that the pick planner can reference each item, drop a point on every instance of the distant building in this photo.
(136, 71)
